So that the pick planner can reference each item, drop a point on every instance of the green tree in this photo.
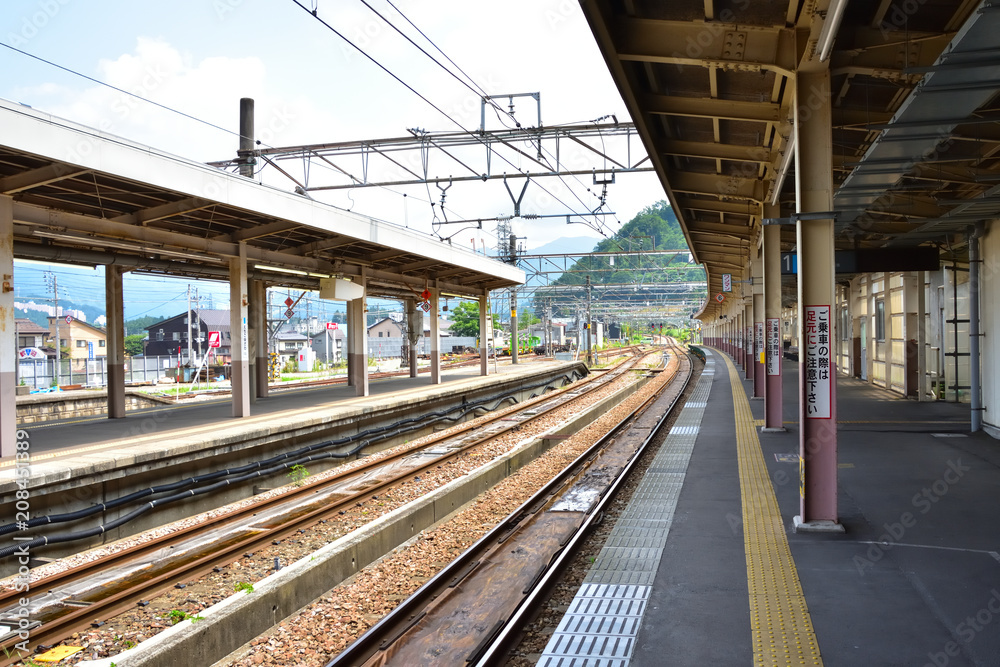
(526, 319)
(138, 325)
(465, 319)
(133, 344)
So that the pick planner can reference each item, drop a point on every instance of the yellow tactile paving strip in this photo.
(782, 628)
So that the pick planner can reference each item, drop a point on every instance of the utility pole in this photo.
(189, 323)
(590, 332)
(55, 301)
(197, 322)
(513, 326)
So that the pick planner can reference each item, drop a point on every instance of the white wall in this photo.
(990, 326)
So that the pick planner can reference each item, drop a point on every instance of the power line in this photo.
(121, 90)
(483, 94)
(314, 14)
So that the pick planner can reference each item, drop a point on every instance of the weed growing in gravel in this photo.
(297, 474)
(243, 586)
(176, 616)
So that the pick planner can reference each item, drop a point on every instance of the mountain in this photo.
(655, 228)
(566, 245)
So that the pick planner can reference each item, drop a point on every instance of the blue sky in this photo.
(201, 56)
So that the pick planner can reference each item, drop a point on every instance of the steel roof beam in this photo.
(707, 107)
(34, 178)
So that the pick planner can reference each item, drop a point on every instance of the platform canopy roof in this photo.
(85, 196)
(915, 116)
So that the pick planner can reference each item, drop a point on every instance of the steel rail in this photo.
(367, 648)
(56, 629)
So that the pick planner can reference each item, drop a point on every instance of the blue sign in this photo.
(90, 349)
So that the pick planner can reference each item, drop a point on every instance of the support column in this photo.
(358, 339)
(239, 333)
(757, 275)
(869, 337)
(975, 376)
(814, 241)
(484, 333)
(748, 338)
(435, 337)
(922, 393)
(257, 311)
(413, 332)
(513, 326)
(772, 323)
(115, 313)
(8, 334)
(348, 345)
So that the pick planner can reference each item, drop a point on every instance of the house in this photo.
(288, 343)
(82, 340)
(169, 336)
(444, 327)
(387, 327)
(29, 334)
(332, 342)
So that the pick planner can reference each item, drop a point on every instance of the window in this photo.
(62, 342)
(845, 324)
(379, 334)
(159, 335)
(81, 343)
(102, 343)
(880, 320)
(176, 335)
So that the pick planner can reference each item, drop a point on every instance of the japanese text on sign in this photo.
(773, 346)
(727, 282)
(758, 339)
(816, 362)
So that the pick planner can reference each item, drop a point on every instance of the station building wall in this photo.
(989, 300)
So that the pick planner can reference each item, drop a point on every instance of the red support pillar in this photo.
(817, 369)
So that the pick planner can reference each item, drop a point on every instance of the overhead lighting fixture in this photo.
(279, 269)
(831, 24)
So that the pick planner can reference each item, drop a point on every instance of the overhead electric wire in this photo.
(478, 90)
(371, 58)
(123, 91)
(149, 101)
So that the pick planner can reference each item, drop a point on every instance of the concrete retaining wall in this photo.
(35, 408)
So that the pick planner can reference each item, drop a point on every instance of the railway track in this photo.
(55, 617)
(472, 610)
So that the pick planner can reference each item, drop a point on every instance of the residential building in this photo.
(29, 334)
(81, 340)
(288, 343)
(387, 327)
(169, 336)
(337, 344)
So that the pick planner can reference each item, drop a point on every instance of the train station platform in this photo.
(704, 567)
